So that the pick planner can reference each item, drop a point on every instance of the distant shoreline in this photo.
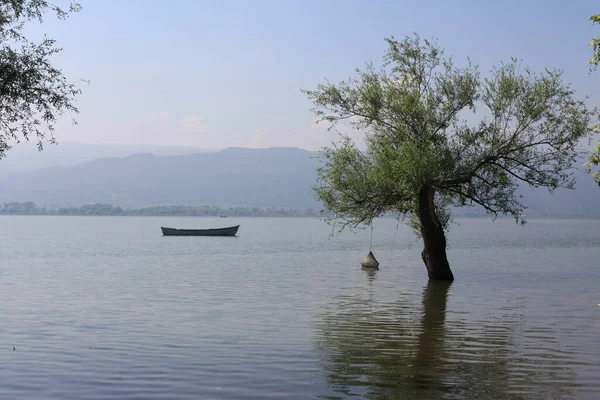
(30, 208)
(95, 210)
(458, 217)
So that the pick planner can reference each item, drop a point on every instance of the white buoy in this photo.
(370, 261)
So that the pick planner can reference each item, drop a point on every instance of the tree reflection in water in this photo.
(382, 350)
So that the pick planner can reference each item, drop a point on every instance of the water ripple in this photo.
(106, 308)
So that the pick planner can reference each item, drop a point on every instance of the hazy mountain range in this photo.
(274, 177)
(26, 156)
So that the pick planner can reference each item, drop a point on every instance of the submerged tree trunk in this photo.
(434, 240)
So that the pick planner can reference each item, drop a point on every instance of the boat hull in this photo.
(229, 231)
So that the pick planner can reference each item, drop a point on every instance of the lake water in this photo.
(107, 308)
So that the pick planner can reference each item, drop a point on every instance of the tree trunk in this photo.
(434, 240)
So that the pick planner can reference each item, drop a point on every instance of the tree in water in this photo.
(33, 92)
(423, 156)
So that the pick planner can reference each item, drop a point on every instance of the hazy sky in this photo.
(214, 74)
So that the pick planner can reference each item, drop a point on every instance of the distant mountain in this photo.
(276, 177)
(25, 157)
(234, 177)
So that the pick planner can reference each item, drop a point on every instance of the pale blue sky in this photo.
(214, 74)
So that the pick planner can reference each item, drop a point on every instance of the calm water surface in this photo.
(107, 308)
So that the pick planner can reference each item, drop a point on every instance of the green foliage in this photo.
(594, 159)
(413, 111)
(595, 43)
(33, 93)
(595, 60)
